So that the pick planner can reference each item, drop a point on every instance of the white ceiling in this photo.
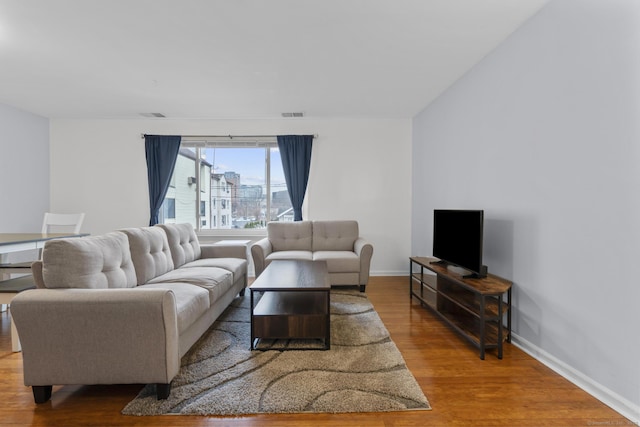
(243, 58)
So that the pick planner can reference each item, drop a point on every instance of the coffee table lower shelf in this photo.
(290, 315)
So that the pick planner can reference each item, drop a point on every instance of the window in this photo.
(239, 184)
(168, 210)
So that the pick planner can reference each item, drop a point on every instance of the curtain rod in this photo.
(315, 136)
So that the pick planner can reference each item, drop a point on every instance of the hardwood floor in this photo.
(462, 389)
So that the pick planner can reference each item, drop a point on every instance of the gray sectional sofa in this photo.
(123, 307)
(348, 256)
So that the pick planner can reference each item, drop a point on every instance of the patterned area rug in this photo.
(362, 372)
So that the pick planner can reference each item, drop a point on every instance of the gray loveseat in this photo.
(348, 256)
(123, 307)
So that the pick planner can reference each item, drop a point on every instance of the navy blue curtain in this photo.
(161, 152)
(295, 152)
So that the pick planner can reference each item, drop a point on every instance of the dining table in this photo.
(18, 242)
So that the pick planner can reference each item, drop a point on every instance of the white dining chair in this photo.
(62, 223)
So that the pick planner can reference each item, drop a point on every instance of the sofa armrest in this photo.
(364, 250)
(36, 271)
(223, 251)
(259, 252)
(97, 336)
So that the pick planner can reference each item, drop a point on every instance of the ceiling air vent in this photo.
(292, 114)
(152, 115)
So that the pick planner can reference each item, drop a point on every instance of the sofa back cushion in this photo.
(183, 243)
(334, 235)
(290, 236)
(149, 252)
(94, 262)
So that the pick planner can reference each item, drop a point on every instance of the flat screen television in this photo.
(457, 239)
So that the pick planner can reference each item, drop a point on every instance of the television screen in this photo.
(457, 238)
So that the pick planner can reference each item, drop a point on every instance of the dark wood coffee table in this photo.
(290, 299)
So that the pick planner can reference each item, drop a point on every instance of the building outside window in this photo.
(185, 190)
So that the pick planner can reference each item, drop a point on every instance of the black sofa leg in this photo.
(163, 391)
(242, 292)
(41, 393)
(362, 288)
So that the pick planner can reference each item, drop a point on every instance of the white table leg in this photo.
(4, 276)
(5, 299)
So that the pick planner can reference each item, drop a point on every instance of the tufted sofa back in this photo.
(150, 252)
(183, 243)
(334, 235)
(96, 262)
(290, 236)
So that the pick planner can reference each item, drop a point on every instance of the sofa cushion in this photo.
(339, 261)
(290, 236)
(94, 262)
(183, 243)
(334, 235)
(215, 280)
(150, 252)
(305, 255)
(191, 301)
(236, 266)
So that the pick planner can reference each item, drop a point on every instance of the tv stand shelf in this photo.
(477, 308)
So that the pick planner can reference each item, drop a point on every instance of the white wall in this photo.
(24, 170)
(359, 170)
(544, 135)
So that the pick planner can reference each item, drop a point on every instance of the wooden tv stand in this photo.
(476, 308)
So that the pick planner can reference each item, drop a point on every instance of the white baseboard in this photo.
(616, 402)
(404, 273)
(251, 273)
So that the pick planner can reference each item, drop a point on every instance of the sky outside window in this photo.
(249, 163)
